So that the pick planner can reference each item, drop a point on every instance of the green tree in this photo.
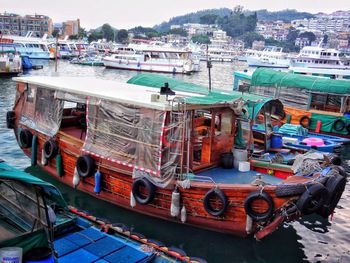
(200, 39)
(55, 32)
(325, 39)
(73, 37)
(178, 31)
(309, 35)
(107, 32)
(292, 35)
(122, 36)
(208, 19)
(82, 33)
(250, 37)
(94, 36)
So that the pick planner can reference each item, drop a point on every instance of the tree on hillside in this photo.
(325, 39)
(309, 35)
(94, 36)
(208, 19)
(292, 35)
(82, 33)
(107, 32)
(201, 39)
(250, 37)
(122, 36)
(178, 31)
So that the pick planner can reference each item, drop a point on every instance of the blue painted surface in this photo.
(233, 176)
(126, 254)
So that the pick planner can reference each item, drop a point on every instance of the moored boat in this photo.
(271, 57)
(10, 63)
(162, 152)
(36, 221)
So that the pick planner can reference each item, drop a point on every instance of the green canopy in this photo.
(273, 78)
(253, 103)
(8, 172)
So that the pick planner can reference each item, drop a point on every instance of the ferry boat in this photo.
(319, 104)
(151, 58)
(322, 72)
(36, 225)
(271, 56)
(163, 148)
(320, 58)
(219, 55)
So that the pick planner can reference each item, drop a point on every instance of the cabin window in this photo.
(294, 97)
(125, 133)
(325, 102)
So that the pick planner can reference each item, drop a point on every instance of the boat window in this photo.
(294, 97)
(21, 210)
(325, 102)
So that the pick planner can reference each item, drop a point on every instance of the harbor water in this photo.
(312, 239)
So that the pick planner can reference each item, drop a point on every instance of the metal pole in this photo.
(56, 52)
(209, 66)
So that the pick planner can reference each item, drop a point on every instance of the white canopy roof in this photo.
(104, 89)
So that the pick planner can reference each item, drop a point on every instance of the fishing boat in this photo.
(152, 59)
(271, 56)
(316, 103)
(164, 148)
(36, 225)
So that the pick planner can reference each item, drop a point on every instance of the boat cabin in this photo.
(150, 130)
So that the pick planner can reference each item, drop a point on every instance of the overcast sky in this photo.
(130, 13)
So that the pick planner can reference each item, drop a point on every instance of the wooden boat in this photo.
(35, 218)
(316, 103)
(162, 152)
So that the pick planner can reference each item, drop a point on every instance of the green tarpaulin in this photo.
(10, 173)
(327, 122)
(273, 78)
(202, 96)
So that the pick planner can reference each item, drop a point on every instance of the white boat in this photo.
(322, 72)
(322, 58)
(32, 47)
(219, 55)
(151, 58)
(10, 63)
(272, 57)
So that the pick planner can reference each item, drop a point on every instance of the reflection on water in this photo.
(312, 239)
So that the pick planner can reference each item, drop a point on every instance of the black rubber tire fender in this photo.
(85, 166)
(50, 149)
(312, 199)
(335, 186)
(302, 120)
(10, 119)
(258, 216)
(150, 188)
(25, 138)
(289, 189)
(218, 193)
(334, 158)
(338, 125)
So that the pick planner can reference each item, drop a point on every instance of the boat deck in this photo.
(92, 245)
(233, 176)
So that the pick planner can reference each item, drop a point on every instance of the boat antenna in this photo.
(209, 66)
(56, 47)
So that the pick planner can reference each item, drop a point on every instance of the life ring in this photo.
(215, 193)
(302, 121)
(10, 119)
(256, 215)
(50, 149)
(338, 125)
(85, 166)
(312, 199)
(146, 197)
(25, 138)
(348, 128)
(335, 186)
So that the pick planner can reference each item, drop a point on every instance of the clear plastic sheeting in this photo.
(128, 135)
(42, 111)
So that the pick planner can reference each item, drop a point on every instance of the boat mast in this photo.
(209, 66)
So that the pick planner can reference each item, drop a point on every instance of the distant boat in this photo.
(151, 59)
(37, 225)
(10, 63)
(271, 57)
(320, 58)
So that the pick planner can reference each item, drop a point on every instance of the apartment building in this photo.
(71, 27)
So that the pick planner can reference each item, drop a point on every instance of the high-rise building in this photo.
(71, 27)
(13, 24)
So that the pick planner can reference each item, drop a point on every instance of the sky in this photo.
(130, 13)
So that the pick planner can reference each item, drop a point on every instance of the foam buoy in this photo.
(43, 158)
(76, 178)
(183, 214)
(132, 200)
(175, 203)
(97, 188)
(34, 149)
(59, 165)
(249, 224)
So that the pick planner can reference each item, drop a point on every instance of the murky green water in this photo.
(313, 239)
